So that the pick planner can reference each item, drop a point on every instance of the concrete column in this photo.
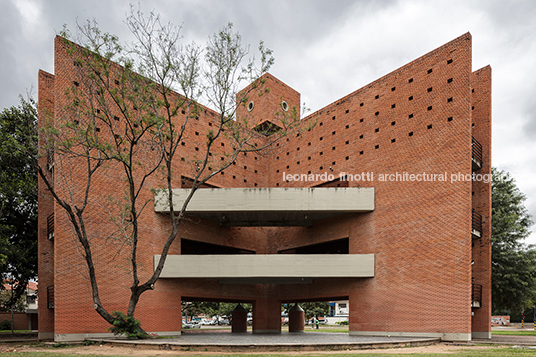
(239, 318)
(296, 319)
(267, 316)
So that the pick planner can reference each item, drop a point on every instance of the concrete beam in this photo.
(251, 267)
(269, 206)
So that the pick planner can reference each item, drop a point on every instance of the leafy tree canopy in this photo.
(513, 262)
(18, 194)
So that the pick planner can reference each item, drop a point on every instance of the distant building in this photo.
(384, 203)
(28, 319)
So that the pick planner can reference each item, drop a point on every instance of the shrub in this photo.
(126, 325)
(5, 325)
(345, 322)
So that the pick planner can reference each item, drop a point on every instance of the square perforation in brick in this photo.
(449, 100)
(347, 142)
(361, 152)
(429, 89)
(410, 116)
(410, 98)
(376, 130)
(308, 144)
(321, 138)
(473, 125)
(333, 148)
(196, 149)
(393, 140)
(347, 111)
(361, 120)
(449, 61)
(449, 119)
(361, 136)
(430, 71)
(333, 118)
(197, 133)
(393, 89)
(183, 143)
(449, 80)
(333, 132)
(361, 104)
(376, 146)
(309, 158)
(377, 113)
(393, 106)
(429, 108)
(393, 123)
(321, 123)
(347, 158)
(347, 126)
(76, 83)
(297, 162)
(410, 80)
(321, 153)
(472, 90)
(377, 96)
(473, 107)
(410, 133)
(429, 126)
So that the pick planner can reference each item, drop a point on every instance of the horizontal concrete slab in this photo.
(263, 266)
(269, 206)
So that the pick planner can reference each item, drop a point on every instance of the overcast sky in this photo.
(323, 49)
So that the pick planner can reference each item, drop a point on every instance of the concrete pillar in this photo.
(239, 318)
(296, 319)
(267, 316)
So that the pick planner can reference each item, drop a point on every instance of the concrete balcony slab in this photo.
(268, 268)
(269, 206)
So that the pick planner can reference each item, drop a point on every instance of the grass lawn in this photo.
(513, 332)
(461, 352)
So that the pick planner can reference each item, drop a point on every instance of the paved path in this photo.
(283, 341)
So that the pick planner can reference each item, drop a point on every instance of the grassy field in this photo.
(460, 352)
(514, 333)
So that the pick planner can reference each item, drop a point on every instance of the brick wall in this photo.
(416, 120)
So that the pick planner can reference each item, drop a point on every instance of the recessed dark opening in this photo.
(339, 246)
(192, 247)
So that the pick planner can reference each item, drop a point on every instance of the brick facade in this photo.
(418, 119)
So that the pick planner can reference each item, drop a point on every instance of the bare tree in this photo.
(128, 113)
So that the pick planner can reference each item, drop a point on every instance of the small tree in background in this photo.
(513, 262)
(129, 109)
(311, 309)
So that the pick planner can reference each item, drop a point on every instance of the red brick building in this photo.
(385, 202)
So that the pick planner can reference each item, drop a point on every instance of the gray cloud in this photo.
(323, 49)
